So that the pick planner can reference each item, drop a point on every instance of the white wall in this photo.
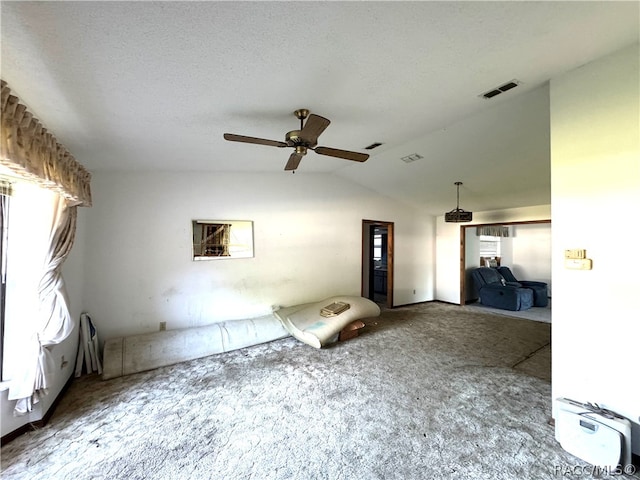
(595, 165)
(507, 246)
(531, 253)
(307, 230)
(448, 244)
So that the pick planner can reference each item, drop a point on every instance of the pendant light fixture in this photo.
(457, 215)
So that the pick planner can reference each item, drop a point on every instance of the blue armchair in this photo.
(495, 291)
(540, 291)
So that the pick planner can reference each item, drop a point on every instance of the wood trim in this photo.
(390, 263)
(365, 252)
(463, 261)
(524, 222)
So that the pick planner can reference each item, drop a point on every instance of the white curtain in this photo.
(39, 311)
(53, 322)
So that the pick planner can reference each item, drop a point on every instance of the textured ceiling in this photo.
(154, 85)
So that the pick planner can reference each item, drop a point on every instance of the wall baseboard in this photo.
(28, 427)
(414, 303)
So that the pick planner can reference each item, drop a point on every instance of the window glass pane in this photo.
(377, 247)
(489, 246)
(27, 247)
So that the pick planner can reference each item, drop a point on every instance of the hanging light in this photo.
(458, 215)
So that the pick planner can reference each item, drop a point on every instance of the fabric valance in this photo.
(33, 153)
(493, 231)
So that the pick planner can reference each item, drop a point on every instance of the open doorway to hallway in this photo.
(377, 261)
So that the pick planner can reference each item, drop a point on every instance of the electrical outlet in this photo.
(163, 326)
(575, 253)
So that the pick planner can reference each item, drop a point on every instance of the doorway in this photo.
(377, 261)
(466, 286)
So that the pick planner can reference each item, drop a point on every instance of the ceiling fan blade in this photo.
(347, 155)
(259, 141)
(294, 161)
(312, 129)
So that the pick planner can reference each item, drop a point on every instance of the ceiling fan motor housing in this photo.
(294, 139)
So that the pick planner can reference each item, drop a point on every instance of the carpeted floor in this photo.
(538, 314)
(426, 391)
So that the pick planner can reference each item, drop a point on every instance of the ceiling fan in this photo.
(302, 140)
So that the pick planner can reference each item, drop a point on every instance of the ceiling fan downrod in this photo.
(302, 114)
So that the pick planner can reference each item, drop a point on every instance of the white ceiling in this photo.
(154, 85)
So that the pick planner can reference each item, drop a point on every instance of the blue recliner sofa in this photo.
(495, 291)
(540, 290)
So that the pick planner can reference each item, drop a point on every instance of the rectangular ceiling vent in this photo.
(373, 145)
(411, 158)
(501, 89)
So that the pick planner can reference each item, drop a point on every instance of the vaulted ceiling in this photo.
(154, 85)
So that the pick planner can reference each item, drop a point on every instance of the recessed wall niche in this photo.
(222, 239)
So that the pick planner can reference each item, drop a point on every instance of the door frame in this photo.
(463, 260)
(367, 254)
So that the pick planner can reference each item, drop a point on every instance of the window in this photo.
(25, 247)
(215, 240)
(5, 196)
(489, 246)
(43, 213)
(222, 239)
(379, 239)
(377, 247)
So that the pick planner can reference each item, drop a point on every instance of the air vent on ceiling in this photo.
(411, 158)
(501, 89)
(373, 145)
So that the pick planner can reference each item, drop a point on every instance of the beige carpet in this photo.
(539, 314)
(426, 391)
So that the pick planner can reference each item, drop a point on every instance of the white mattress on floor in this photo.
(306, 324)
